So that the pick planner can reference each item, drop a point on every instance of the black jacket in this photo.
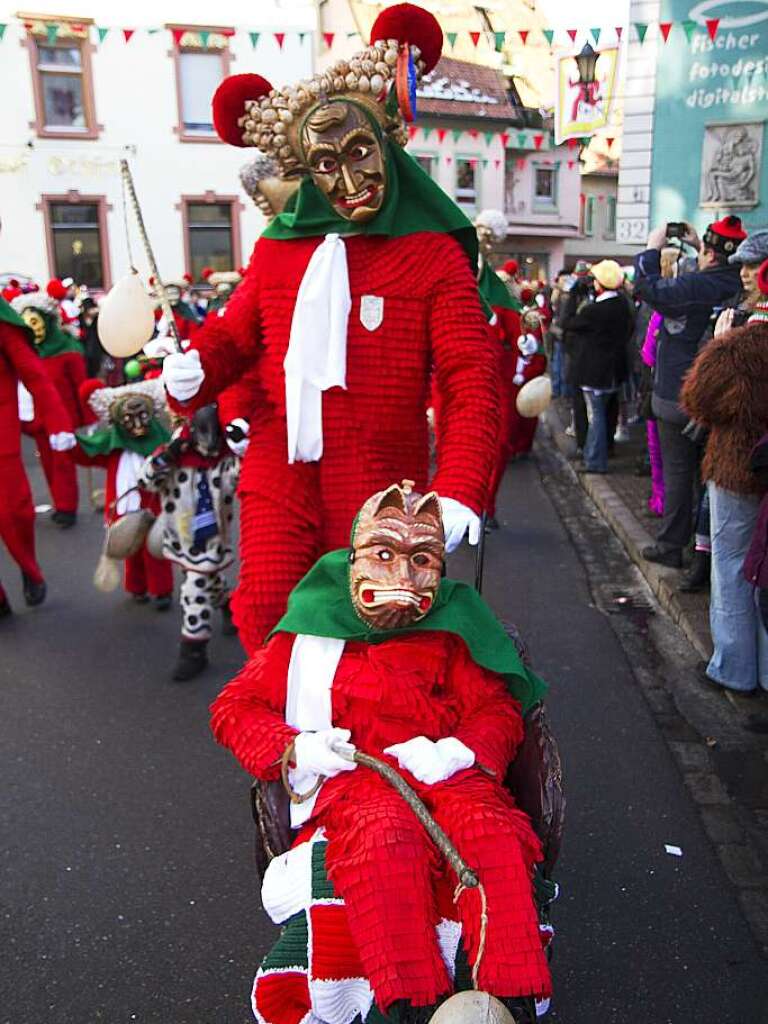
(600, 332)
(686, 303)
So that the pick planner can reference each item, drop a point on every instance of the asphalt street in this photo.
(125, 835)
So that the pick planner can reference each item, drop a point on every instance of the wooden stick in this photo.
(159, 286)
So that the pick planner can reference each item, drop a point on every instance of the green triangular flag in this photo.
(499, 38)
(488, 136)
(457, 133)
(351, 35)
(452, 38)
(485, 162)
(204, 37)
(3, 27)
(427, 132)
(689, 27)
(254, 37)
(549, 35)
(102, 34)
(153, 31)
(302, 36)
(51, 31)
(596, 34)
(641, 27)
(522, 139)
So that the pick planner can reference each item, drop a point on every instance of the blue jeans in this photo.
(740, 660)
(596, 445)
(560, 387)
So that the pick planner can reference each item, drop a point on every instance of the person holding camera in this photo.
(725, 392)
(686, 303)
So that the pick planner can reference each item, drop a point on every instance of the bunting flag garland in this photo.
(572, 143)
(412, 129)
(488, 136)
(178, 35)
(537, 141)
(619, 30)
(571, 164)
(427, 133)
(452, 37)
(456, 134)
(499, 39)
(522, 138)
(475, 37)
(3, 27)
(449, 160)
(520, 163)
(689, 27)
(441, 133)
(572, 33)
(302, 37)
(665, 27)
(497, 163)
(504, 136)
(204, 37)
(153, 31)
(127, 33)
(484, 162)
(329, 37)
(712, 27)
(279, 39)
(351, 35)
(641, 27)
(595, 33)
(549, 35)
(473, 133)
(102, 32)
(609, 141)
(254, 37)
(51, 31)
(523, 33)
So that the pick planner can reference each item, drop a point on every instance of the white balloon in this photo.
(126, 318)
(534, 397)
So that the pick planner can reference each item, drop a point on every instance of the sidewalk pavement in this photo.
(622, 497)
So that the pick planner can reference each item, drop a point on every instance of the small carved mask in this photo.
(205, 431)
(133, 413)
(397, 557)
(346, 160)
(36, 322)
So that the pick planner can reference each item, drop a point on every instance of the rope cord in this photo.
(460, 889)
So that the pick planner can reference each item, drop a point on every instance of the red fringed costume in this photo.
(379, 858)
(375, 430)
(522, 429)
(18, 362)
(507, 331)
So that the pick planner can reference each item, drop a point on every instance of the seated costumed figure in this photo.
(377, 653)
(354, 293)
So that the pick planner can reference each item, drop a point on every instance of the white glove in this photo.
(63, 441)
(432, 762)
(160, 347)
(518, 379)
(183, 374)
(236, 433)
(316, 752)
(457, 520)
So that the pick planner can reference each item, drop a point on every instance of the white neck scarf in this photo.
(317, 349)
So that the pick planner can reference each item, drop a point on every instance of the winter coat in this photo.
(756, 563)
(686, 303)
(726, 391)
(599, 355)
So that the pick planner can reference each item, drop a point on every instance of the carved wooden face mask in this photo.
(346, 160)
(397, 557)
(133, 413)
(36, 322)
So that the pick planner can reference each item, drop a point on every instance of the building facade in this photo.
(598, 203)
(695, 111)
(88, 93)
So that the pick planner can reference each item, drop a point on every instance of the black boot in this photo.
(193, 658)
(697, 577)
(5, 606)
(64, 519)
(34, 592)
(163, 602)
(228, 627)
(671, 557)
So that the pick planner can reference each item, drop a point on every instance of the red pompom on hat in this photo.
(11, 292)
(188, 278)
(729, 227)
(527, 295)
(56, 289)
(229, 104)
(511, 267)
(205, 273)
(413, 25)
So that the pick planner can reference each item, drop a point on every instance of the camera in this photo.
(676, 229)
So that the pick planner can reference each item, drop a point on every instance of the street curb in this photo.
(634, 538)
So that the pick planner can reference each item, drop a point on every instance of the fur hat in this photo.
(493, 221)
(754, 249)
(39, 301)
(100, 399)
(406, 43)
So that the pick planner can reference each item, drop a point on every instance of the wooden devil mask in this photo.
(398, 549)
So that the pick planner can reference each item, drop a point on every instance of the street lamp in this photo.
(586, 62)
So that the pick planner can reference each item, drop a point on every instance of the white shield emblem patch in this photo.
(371, 311)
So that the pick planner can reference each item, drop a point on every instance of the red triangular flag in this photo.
(712, 26)
(473, 132)
(412, 129)
(572, 143)
(571, 164)
(497, 163)
(523, 33)
(504, 136)
(572, 32)
(329, 37)
(449, 159)
(441, 133)
(128, 32)
(609, 141)
(280, 39)
(619, 30)
(520, 163)
(177, 33)
(665, 27)
(475, 37)
(537, 141)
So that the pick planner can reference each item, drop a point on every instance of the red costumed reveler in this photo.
(352, 295)
(64, 363)
(527, 362)
(374, 649)
(20, 364)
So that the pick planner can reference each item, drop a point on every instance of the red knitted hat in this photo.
(56, 289)
(229, 104)
(762, 277)
(511, 267)
(88, 387)
(205, 273)
(413, 25)
(724, 235)
(527, 295)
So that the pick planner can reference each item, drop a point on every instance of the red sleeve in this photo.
(76, 374)
(243, 400)
(230, 344)
(509, 325)
(536, 367)
(29, 368)
(491, 724)
(248, 716)
(466, 381)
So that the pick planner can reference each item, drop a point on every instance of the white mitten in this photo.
(316, 752)
(183, 374)
(458, 520)
(236, 433)
(63, 441)
(456, 756)
(432, 762)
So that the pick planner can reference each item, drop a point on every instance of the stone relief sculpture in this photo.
(730, 167)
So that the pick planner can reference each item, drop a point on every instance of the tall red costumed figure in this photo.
(362, 285)
(20, 364)
(64, 363)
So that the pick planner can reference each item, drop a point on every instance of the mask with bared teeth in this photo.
(398, 549)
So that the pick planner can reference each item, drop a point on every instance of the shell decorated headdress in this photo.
(103, 400)
(406, 42)
(40, 301)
